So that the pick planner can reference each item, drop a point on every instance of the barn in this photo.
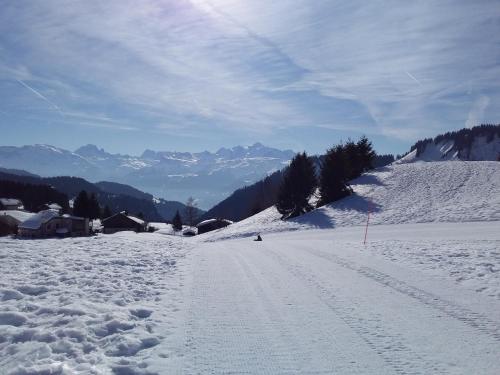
(49, 223)
(212, 224)
(122, 222)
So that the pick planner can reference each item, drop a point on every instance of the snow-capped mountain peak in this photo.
(174, 175)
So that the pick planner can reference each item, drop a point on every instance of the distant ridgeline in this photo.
(478, 143)
(35, 191)
(263, 194)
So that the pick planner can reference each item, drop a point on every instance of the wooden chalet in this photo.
(123, 222)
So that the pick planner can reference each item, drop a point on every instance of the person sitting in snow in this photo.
(259, 238)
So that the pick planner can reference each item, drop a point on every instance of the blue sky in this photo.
(195, 75)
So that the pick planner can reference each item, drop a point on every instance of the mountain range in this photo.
(118, 197)
(208, 177)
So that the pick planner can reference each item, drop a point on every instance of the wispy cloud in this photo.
(396, 69)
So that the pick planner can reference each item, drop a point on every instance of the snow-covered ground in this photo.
(421, 297)
(452, 191)
(87, 305)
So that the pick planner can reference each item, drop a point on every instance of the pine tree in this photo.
(81, 205)
(366, 154)
(94, 209)
(298, 185)
(334, 176)
(177, 221)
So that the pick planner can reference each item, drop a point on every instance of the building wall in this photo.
(119, 223)
(49, 229)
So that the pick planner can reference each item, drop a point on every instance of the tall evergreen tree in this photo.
(334, 176)
(297, 187)
(81, 205)
(177, 221)
(94, 209)
(366, 154)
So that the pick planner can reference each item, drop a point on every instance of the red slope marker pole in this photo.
(367, 221)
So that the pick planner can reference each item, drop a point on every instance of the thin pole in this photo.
(367, 221)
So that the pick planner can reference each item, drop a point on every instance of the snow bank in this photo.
(453, 191)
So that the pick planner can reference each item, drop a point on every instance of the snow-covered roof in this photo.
(136, 219)
(73, 217)
(210, 221)
(10, 201)
(18, 215)
(133, 218)
(38, 219)
(54, 206)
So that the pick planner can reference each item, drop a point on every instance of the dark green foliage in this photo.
(256, 208)
(383, 160)
(341, 164)
(242, 203)
(462, 139)
(298, 185)
(86, 206)
(94, 208)
(32, 195)
(177, 221)
(81, 205)
(71, 186)
(106, 212)
(334, 176)
(366, 154)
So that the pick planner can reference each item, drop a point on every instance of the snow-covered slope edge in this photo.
(477, 143)
(401, 193)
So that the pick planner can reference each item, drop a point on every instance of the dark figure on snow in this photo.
(259, 238)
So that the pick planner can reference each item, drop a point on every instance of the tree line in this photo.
(337, 167)
(88, 206)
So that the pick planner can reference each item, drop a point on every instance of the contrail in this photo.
(41, 96)
(416, 80)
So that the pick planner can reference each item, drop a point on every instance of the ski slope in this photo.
(307, 304)
(421, 192)
(421, 297)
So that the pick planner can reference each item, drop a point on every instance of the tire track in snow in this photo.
(468, 317)
(390, 347)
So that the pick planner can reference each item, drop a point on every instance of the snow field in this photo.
(84, 305)
(452, 191)
(421, 297)
(315, 302)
